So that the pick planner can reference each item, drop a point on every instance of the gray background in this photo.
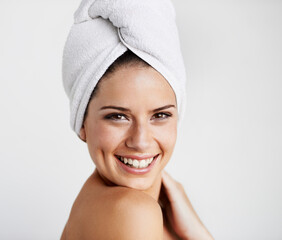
(229, 152)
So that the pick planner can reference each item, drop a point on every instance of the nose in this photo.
(139, 137)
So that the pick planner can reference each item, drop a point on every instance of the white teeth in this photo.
(135, 163)
(142, 163)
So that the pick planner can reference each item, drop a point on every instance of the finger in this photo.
(166, 177)
(172, 187)
(170, 183)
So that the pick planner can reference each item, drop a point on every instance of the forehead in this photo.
(133, 86)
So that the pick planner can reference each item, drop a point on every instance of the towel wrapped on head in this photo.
(103, 30)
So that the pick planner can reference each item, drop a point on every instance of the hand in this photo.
(179, 211)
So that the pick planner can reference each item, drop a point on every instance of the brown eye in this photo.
(116, 117)
(161, 115)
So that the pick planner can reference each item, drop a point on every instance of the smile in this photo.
(135, 163)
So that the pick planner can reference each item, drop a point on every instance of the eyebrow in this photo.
(128, 110)
(164, 107)
(115, 107)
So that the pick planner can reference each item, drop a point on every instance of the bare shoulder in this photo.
(118, 213)
(126, 214)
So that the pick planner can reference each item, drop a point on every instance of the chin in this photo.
(139, 184)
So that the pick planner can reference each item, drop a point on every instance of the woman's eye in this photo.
(116, 116)
(161, 115)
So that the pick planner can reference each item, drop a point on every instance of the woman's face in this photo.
(131, 127)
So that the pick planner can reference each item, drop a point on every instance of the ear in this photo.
(82, 134)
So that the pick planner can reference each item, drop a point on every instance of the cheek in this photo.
(104, 138)
(166, 136)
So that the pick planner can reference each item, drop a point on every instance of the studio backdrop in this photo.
(229, 150)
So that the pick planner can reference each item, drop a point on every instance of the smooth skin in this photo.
(133, 113)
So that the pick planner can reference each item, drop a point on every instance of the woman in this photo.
(126, 100)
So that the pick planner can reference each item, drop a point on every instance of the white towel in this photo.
(103, 30)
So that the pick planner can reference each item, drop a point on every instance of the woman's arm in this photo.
(179, 211)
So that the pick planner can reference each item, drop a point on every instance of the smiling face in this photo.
(131, 127)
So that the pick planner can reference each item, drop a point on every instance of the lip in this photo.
(138, 157)
(138, 171)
